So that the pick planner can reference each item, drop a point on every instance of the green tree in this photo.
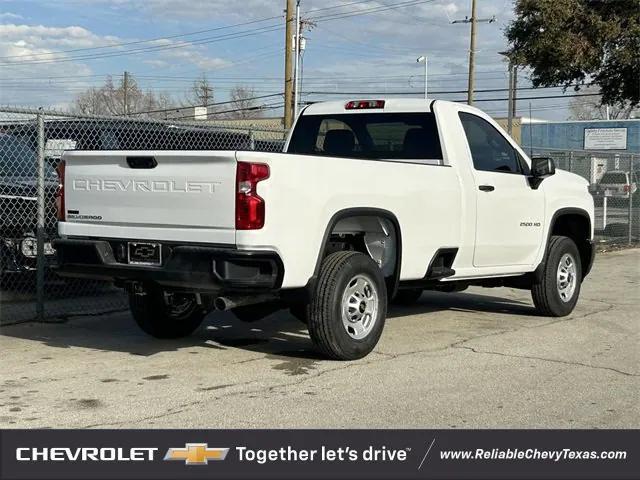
(567, 42)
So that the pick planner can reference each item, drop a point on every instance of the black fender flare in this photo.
(586, 267)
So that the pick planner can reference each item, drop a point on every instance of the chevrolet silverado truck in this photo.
(372, 201)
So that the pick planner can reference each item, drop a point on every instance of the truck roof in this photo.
(391, 105)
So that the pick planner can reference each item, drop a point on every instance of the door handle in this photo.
(487, 188)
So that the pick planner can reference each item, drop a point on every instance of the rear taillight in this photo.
(249, 205)
(626, 188)
(60, 193)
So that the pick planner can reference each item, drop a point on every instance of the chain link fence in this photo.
(612, 178)
(31, 144)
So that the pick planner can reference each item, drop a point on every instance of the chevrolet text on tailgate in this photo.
(372, 202)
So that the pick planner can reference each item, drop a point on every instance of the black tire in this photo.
(326, 327)
(159, 319)
(546, 293)
(407, 297)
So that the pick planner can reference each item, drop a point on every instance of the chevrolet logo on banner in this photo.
(196, 454)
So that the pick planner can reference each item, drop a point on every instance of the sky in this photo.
(52, 50)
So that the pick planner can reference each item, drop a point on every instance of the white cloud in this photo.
(170, 9)
(20, 43)
(40, 53)
(8, 16)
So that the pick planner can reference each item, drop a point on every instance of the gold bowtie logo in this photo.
(196, 454)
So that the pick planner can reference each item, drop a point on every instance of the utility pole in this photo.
(472, 46)
(296, 92)
(472, 55)
(125, 93)
(288, 64)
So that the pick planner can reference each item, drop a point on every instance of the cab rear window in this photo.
(394, 136)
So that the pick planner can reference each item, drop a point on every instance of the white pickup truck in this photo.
(373, 201)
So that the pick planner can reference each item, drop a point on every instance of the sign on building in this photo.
(200, 113)
(605, 138)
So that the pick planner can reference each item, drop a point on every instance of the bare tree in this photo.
(590, 108)
(243, 103)
(200, 94)
(121, 99)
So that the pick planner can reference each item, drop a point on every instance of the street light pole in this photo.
(424, 59)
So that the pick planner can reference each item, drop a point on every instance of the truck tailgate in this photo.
(162, 195)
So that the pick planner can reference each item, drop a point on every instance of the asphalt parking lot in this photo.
(476, 359)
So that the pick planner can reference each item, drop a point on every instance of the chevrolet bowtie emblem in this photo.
(196, 454)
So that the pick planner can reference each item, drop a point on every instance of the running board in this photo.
(439, 273)
(439, 268)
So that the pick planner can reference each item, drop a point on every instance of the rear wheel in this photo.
(557, 293)
(164, 314)
(348, 311)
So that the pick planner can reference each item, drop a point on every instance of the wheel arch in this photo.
(574, 223)
(393, 281)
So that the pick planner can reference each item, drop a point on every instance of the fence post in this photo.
(630, 213)
(571, 161)
(252, 140)
(40, 220)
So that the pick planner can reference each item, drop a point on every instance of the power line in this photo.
(447, 92)
(175, 109)
(231, 36)
(138, 42)
(271, 106)
(340, 6)
(206, 40)
(383, 8)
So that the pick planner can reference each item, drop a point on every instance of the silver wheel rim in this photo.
(360, 303)
(567, 277)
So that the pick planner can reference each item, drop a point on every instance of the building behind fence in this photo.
(32, 142)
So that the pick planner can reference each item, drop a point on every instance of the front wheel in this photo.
(166, 315)
(348, 311)
(557, 293)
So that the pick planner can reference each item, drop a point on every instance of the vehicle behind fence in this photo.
(32, 142)
(612, 178)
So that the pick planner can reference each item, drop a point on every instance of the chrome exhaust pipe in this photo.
(227, 303)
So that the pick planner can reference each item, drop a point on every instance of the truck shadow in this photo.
(432, 301)
(279, 336)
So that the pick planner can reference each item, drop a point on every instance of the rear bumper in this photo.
(189, 267)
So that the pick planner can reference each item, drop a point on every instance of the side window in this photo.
(491, 152)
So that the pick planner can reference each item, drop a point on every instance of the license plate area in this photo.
(144, 253)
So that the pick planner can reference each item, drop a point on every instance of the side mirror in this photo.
(541, 168)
